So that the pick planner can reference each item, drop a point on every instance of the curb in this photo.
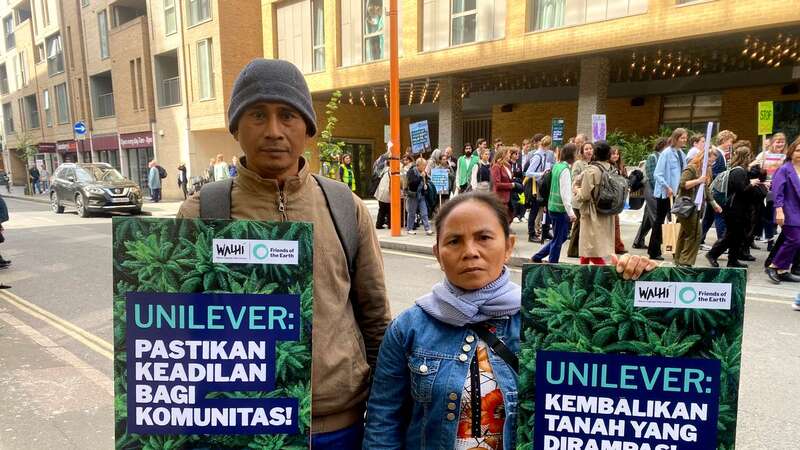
(26, 198)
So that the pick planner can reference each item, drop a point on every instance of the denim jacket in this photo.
(415, 402)
(671, 163)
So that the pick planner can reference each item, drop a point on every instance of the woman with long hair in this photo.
(786, 190)
(667, 175)
(618, 165)
(596, 229)
(693, 179)
(502, 178)
(734, 211)
(582, 159)
(482, 172)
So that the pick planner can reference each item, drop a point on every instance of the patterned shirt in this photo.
(492, 414)
(650, 169)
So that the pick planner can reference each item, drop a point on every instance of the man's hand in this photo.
(780, 219)
(633, 266)
(718, 209)
(669, 192)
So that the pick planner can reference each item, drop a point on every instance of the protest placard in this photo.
(212, 333)
(420, 137)
(441, 179)
(637, 365)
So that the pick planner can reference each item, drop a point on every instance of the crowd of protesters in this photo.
(750, 195)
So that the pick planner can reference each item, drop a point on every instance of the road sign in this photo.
(79, 128)
(765, 118)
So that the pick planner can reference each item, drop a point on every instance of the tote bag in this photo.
(669, 234)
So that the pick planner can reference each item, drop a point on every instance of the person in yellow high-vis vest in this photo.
(346, 174)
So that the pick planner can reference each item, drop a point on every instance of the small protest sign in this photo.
(441, 179)
(420, 137)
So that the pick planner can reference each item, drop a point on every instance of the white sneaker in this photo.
(429, 232)
(796, 306)
(516, 219)
(412, 232)
(705, 247)
(523, 220)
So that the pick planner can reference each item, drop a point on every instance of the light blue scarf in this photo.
(458, 307)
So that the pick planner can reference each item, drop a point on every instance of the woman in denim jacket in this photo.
(437, 386)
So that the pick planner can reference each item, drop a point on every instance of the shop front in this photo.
(106, 149)
(138, 152)
(67, 151)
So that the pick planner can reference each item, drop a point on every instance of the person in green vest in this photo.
(346, 174)
(466, 164)
(559, 205)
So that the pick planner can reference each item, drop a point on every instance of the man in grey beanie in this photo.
(272, 117)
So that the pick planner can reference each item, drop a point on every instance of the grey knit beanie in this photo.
(271, 80)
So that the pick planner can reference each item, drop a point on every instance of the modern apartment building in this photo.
(507, 68)
(152, 78)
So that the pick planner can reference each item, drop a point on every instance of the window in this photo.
(21, 108)
(32, 112)
(691, 111)
(3, 79)
(168, 84)
(45, 13)
(199, 11)
(456, 22)
(140, 82)
(102, 95)
(318, 30)
(102, 26)
(134, 97)
(205, 69)
(22, 70)
(170, 18)
(62, 104)
(8, 118)
(374, 30)
(301, 38)
(137, 89)
(547, 14)
(48, 112)
(55, 55)
(71, 58)
(8, 31)
(84, 2)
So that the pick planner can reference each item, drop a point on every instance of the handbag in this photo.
(683, 207)
(669, 235)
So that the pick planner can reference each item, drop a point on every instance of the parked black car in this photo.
(93, 187)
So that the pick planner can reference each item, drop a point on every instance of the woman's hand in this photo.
(633, 266)
(780, 219)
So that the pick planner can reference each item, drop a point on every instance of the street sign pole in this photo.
(394, 118)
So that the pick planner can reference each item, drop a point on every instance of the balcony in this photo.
(102, 95)
(170, 94)
(168, 79)
(104, 105)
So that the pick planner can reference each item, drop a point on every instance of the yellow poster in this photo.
(765, 118)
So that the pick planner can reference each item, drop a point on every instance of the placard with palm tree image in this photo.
(173, 260)
(586, 316)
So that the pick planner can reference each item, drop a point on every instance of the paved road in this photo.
(55, 379)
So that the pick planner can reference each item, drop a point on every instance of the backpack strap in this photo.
(215, 200)
(342, 208)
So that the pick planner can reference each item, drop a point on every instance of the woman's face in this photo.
(514, 156)
(712, 158)
(472, 252)
(614, 156)
(796, 155)
(346, 159)
(682, 140)
(701, 144)
(588, 152)
(443, 160)
(778, 144)
(485, 156)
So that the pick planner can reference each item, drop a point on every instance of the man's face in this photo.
(272, 136)
(468, 150)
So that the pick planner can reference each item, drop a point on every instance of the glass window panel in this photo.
(460, 6)
(62, 104)
(464, 29)
(170, 17)
(102, 26)
(204, 69)
(373, 30)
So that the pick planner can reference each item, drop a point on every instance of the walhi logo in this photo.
(252, 251)
(652, 294)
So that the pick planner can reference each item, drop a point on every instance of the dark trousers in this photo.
(735, 235)
(572, 248)
(560, 231)
(350, 438)
(532, 218)
(662, 211)
(155, 195)
(384, 214)
(644, 228)
(184, 190)
(712, 218)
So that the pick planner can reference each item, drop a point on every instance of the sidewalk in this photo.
(758, 284)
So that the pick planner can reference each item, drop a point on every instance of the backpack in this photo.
(215, 203)
(611, 192)
(162, 172)
(719, 187)
(543, 187)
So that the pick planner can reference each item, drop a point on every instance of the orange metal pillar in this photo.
(394, 117)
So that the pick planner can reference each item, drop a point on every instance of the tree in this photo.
(329, 149)
(26, 151)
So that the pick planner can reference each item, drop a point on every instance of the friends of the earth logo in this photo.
(251, 251)
(651, 294)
